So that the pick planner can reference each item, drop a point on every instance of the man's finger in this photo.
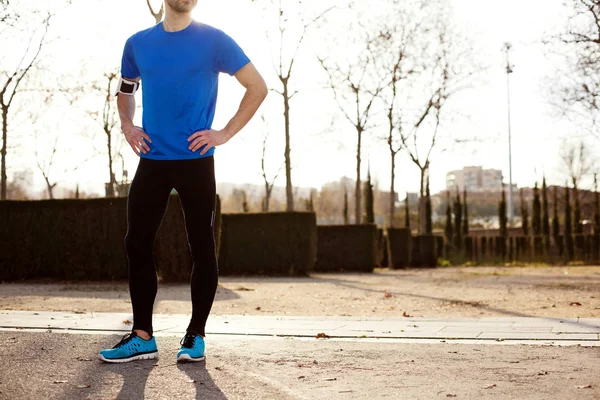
(147, 137)
(197, 135)
(144, 145)
(199, 145)
(194, 146)
(206, 149)
(134, 149)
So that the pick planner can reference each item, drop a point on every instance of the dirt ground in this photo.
(65, 367)
(567, 292)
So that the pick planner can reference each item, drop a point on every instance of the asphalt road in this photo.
(65, 366)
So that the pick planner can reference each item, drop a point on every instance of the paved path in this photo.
(562, 331)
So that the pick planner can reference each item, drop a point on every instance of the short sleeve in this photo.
(129, 68)
(229, 56)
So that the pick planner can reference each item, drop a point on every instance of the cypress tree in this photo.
(524, 215)
(346, 216)
(545, 214)
(536, 221)
(568, 224)
(406, 213)
(465, 214)
(555, 223)
(428, 216)
(502, 220)
(449, 227)
(578, 227)
(369, 212)
(458, 222)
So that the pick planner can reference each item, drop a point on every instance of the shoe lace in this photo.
(125, 339)
(188, 340)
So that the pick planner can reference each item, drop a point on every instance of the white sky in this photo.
(93, 33)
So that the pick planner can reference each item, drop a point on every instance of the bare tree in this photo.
(577, 161)
(45, 162)
(158, 15)
(355, 90)
(109, 120)
(283, 63)
(269, 183)
(11, 80)
(427, 64)
(575, 91)
(397, 49)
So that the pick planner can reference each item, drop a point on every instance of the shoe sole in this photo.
(148, 356)
(188, 358)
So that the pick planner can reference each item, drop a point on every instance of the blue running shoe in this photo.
(131, 347)
(192, 348)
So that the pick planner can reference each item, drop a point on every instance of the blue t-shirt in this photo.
(179, 73)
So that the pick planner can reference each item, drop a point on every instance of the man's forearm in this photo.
(126, 106)
(253, 98)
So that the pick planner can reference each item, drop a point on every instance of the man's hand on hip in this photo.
(209, 138)
(135, 137)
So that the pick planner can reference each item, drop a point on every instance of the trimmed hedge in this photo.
(427, 250)
(84, 240)
(283, 243)
(63, 239)
(347, 248)
(399, 245)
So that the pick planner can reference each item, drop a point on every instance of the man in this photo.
(178, 61)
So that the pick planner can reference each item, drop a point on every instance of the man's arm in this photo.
(256, 92)
(133, 134)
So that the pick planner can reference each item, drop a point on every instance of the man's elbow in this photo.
(261, 90)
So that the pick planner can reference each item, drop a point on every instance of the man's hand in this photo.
(135, 137)
(209, 138)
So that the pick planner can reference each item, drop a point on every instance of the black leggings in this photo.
(194, 181)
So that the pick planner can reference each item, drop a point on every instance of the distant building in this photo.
(474, 179)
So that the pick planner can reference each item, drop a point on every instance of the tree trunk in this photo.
(110, 165)
(267, 197)
(358, 191)
(422, 220)
(392, 190)
(50, 188)
(288, 163)
(4, 141)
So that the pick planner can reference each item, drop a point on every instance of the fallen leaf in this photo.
(330, 379)
(543, 373)
(127, 322)
(322, 335)
(450, 395)
(79, 312)
(83, 359)
(584, 387)
(218, 368)
(575, 303)
(387, 295)
(345, 391)
(83, 386)
(244, 289)
(59, 382)
(493, 385)
(257, 308)
(315, 362)
(301, 377)
(405, 314)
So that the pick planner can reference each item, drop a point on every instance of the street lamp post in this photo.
(509, 70)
